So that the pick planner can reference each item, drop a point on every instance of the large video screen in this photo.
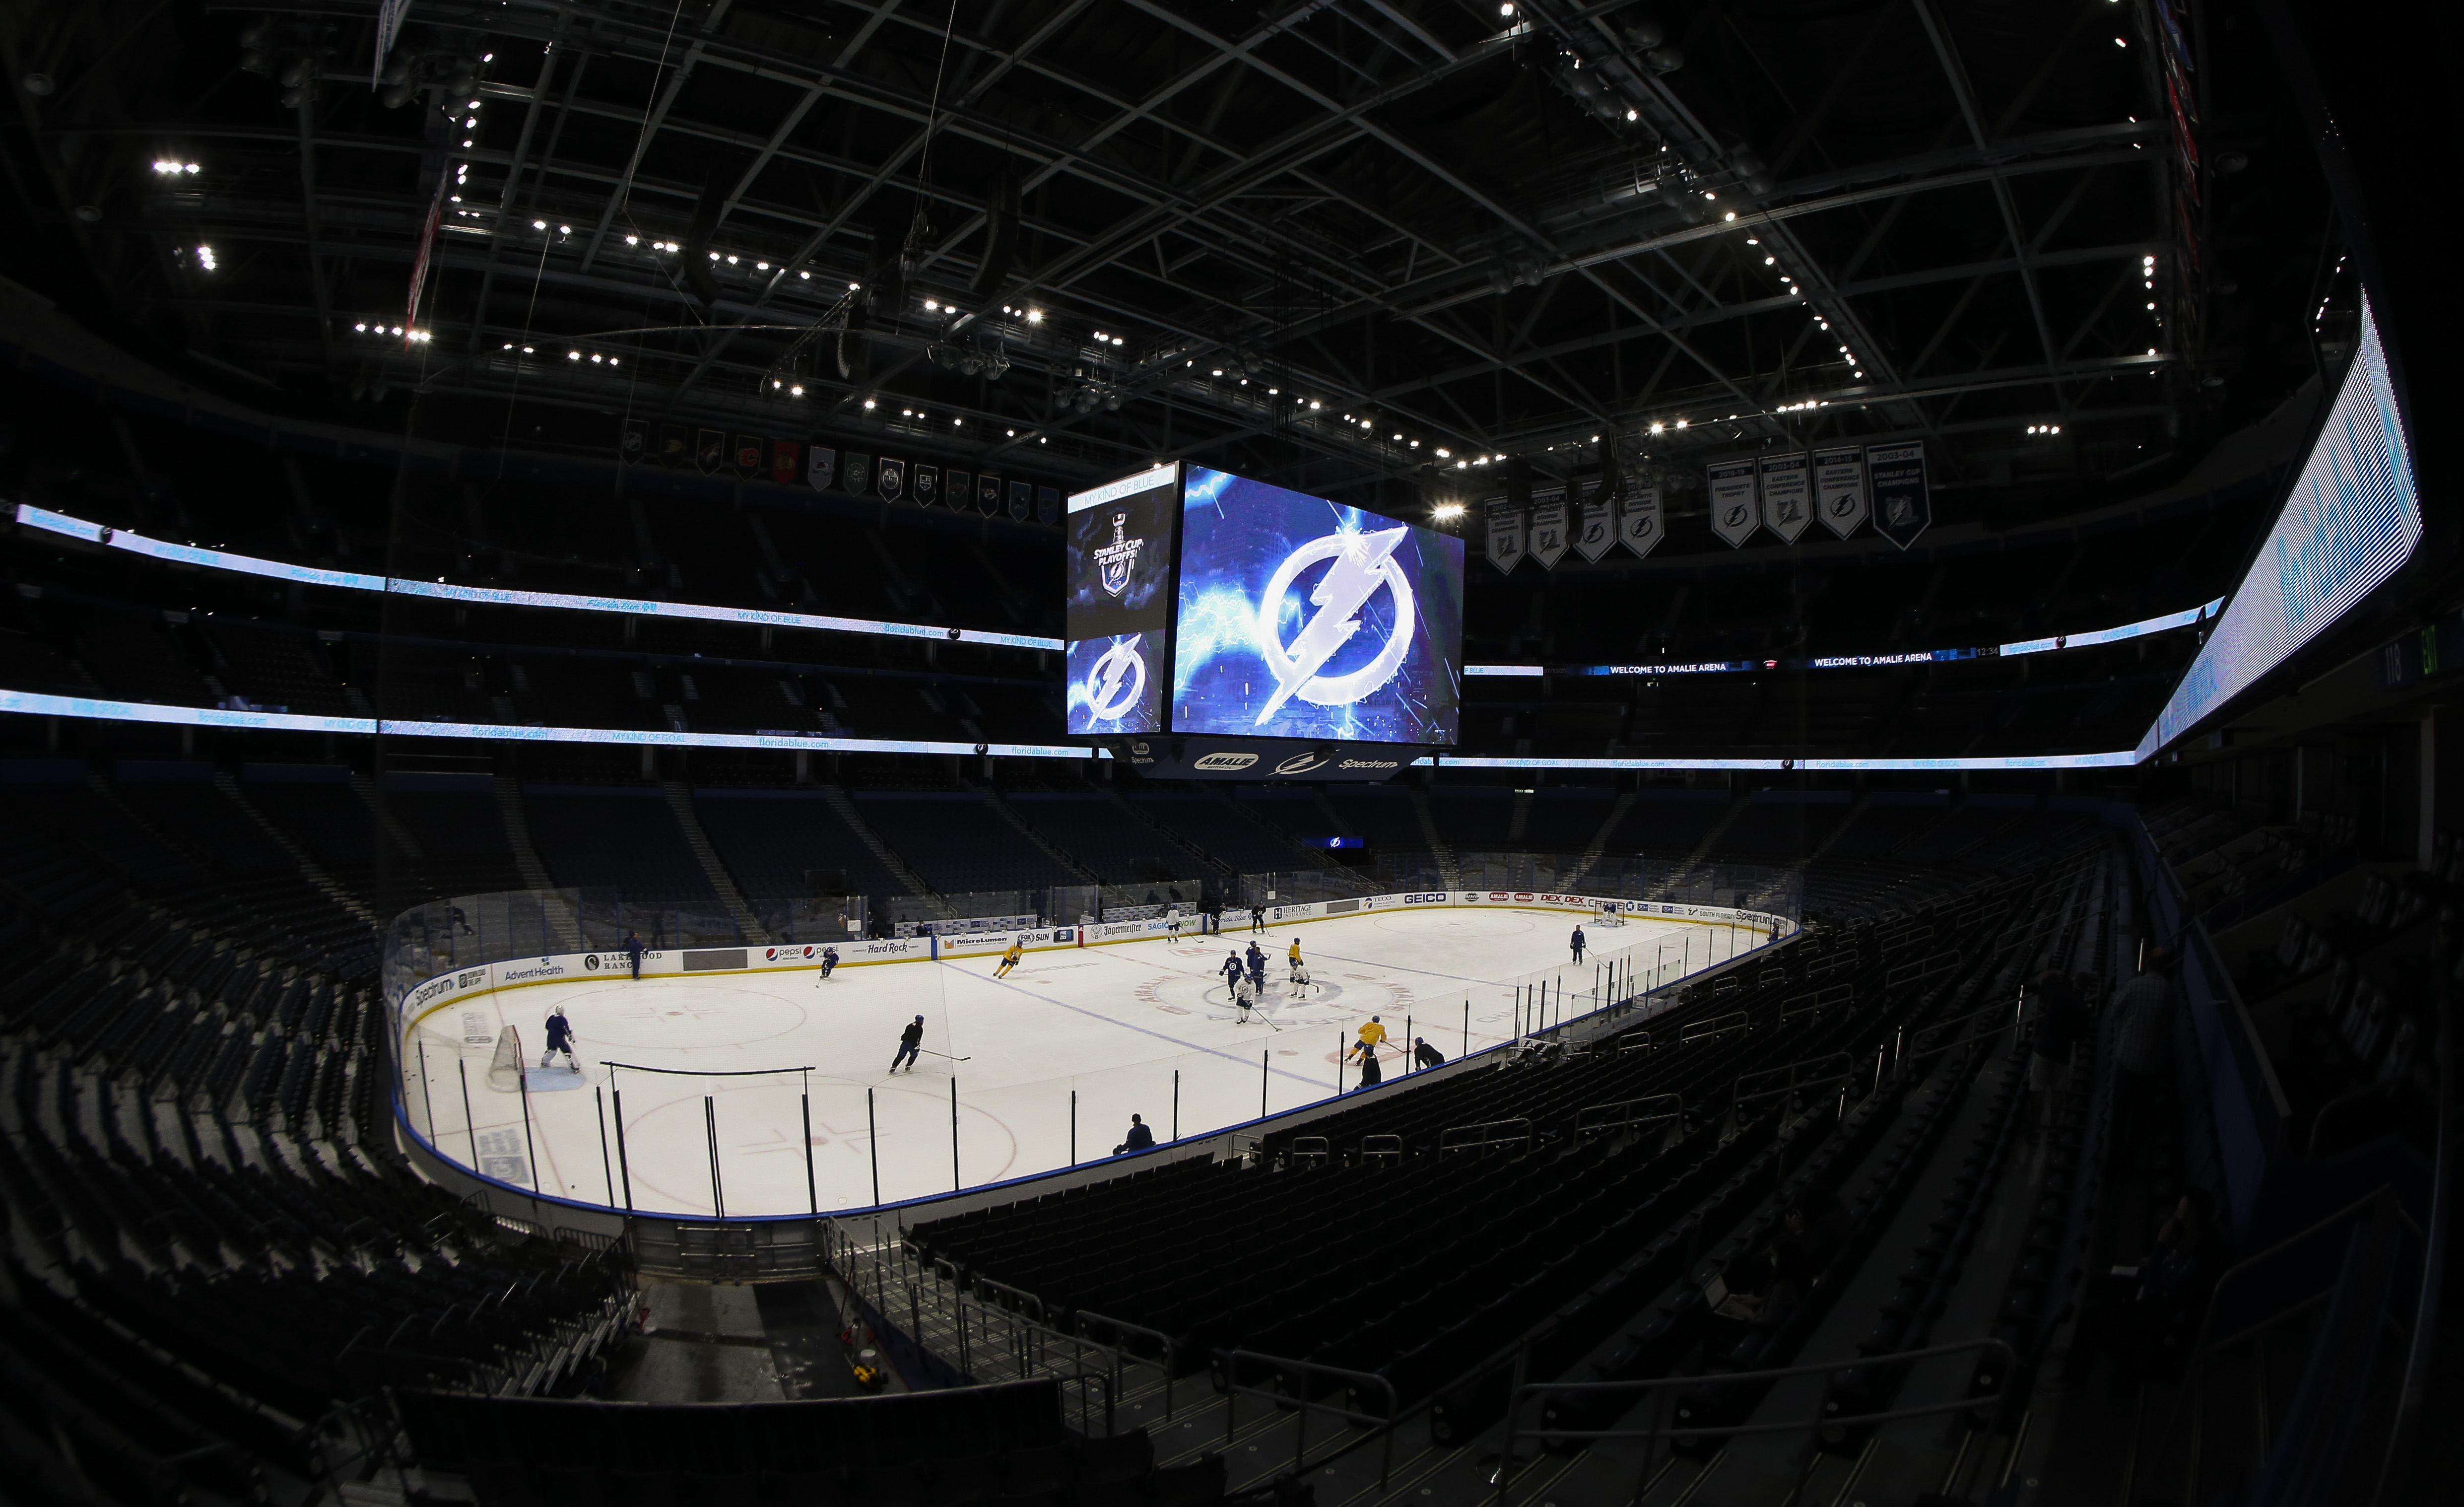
(1120, 549)
(1303, 618)
(2353, 515)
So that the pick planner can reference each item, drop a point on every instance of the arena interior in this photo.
(578, 930)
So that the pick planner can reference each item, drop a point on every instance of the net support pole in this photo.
(623, 1164)
(955, 1183)
(1175, 1104)
(872, 1144)
(604, 1168)
(1074, 1127)
(469, 1126)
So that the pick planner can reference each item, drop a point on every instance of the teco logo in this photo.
(1225, 761)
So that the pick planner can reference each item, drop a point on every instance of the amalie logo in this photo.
(1225, 761)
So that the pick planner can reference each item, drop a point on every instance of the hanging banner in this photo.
(1735, 513)
(1509, 530)
(636, 446)
(1902, 506)
(1595, 529)
(821, 466)
(1548, 529)
(710, 449)
(857, 472)
(784, 459)
(988, 493)
(1840, 489)
(390, 18)
(749, 454)
(1047, 504)
(890, 478)
(676, 446)
(1022, 500)
(957, 486)
(1784, 482)
(928, 485)
(419, 260)
(1640, 524)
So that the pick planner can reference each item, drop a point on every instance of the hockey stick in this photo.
(930, 1053)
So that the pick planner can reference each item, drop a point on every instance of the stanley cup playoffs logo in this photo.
(1117, 559)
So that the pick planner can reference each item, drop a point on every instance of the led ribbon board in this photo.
(2351, 518)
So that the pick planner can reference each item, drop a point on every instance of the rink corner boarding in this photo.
(458, 985)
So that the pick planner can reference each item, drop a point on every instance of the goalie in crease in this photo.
(559, 1038)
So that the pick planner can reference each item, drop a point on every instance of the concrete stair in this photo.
(680, 802)
(897, 866)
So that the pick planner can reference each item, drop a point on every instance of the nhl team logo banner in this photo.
(1021, 499)
(635, 446)
(1735, 511)
(749, 453)
(988, 493)
(928, 485)
(1640, 524)
(1508, 532)
(1840, 489)
(821, 466)
(1047, 504)
(1903, 506)
(857, 470)
(784, 459)
(1549, 533)
(1595, 530)
(676, 446)
(957, 486)
(1785, 495)
(891, 478)
(710, 449)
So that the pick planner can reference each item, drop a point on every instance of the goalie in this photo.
(559, 1038)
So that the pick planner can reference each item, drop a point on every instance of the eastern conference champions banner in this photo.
(1119, 543)
(1302, 618)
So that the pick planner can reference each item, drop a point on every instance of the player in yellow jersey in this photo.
(1373, 1034)
(1010, 960)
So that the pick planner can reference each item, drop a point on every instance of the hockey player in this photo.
(1427, 1057)
(1300, 978)
(1370, 1076)
(1010, 960)
(829, 960)
(910, 1045)
(1245, 999)
(1257, 917)
(1258, 971)
(1295, 956)
(559, 1038)
(1171, 923)
(1373, 1034)
(1231, 971)
(1576, 941)
(633, 950)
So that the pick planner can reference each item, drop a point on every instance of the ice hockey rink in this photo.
(1082, 1036)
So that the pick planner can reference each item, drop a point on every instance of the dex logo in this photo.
(1118, 557)
(1117, 680)
(1362, 564)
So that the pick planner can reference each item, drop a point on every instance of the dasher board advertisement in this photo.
(1120, 539)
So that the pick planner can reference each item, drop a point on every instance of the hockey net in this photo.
(1607, 914)
(505, 1068)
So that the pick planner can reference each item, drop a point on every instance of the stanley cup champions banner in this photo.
(1595, 528)
(1840, 489)
(1640, 524)
(1549, 531)
(1785, 503)
(1506, 535)
(1903, 506)
(1735, 512)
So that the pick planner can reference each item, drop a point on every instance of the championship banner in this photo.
(635, 446)
(749, 452)
(890, 478)
(784, 459)
(1595, 530)
(1734, 514)
(1022, 500)
(1548, 529)
(928, 485)
(1784, 479)
(988, 493)
(821, 466)
(1902, 506)
(1047, 504)
(1640, 526)
(857, 472)
(676, 445)
(1840, 489)
(1507, 532)
(710, 449)
(957, 486)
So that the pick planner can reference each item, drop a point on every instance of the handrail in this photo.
(1819, 999)
(1443, 1145)
(1394, 1146)
(1170, 1348)
(1653, 1384)
(1716, 1026)
(1041, 1313)
(1675, 1111)
(1385, 1422)
(1738, 1095)
(1922, 969)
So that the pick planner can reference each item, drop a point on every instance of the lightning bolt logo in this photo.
(1361, 563)
(1115, 681)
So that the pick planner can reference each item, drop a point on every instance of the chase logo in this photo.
(1222, 763)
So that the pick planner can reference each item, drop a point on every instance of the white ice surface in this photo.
(1113, 1024)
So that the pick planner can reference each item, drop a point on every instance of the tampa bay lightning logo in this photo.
(1362, 564)
(1115, 559)
(1115, 681)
